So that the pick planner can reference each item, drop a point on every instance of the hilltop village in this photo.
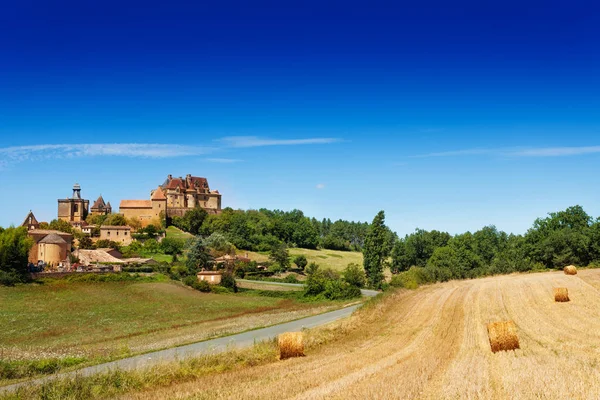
(173, 198)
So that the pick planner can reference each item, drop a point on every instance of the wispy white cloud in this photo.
(223, 160)
(554, 151)
(46, 151)
(519, 152)
(255, 141)
(465, 152)
(320, 186)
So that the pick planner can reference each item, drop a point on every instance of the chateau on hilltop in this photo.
(173, 198)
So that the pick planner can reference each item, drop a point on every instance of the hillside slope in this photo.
(432, 343)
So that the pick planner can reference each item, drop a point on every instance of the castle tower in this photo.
(73, 209)
(100, 207)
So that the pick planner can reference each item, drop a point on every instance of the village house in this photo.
(212, 277)
(119, 234)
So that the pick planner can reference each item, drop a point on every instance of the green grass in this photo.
(99, 321)
(336, 260)
(178, 233)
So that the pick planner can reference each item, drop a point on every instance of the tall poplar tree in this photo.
(376, 250)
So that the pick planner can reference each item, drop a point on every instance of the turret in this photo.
(76, 191)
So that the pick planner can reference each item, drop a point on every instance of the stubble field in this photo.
(432, 343)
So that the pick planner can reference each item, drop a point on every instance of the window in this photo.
(117, 233)
(107, 233)
(76, 208)
(125, 233)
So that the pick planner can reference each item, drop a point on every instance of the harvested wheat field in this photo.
(432, 343)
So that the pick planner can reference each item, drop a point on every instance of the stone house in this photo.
(212, 277)
(51, 247)
(119, 234)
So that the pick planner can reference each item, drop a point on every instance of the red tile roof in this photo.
(176, 183)
(99, 203)
(158, 194)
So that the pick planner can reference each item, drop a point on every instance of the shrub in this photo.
(10, 278)
(300, 261)
(354, 274)
(291, 279)
(412, 278)
(217, 289)
(340, 290)
(203, 286)
(228, 281)
(193, 282)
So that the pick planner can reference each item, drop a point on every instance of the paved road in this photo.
(207, 347)
(365, 292)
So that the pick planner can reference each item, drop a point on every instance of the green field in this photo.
(336, 260)
(106, 320)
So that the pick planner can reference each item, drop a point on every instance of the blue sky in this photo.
(446, 117)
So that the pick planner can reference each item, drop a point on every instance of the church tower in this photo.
(74, 209)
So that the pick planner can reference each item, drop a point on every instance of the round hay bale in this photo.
(561, 294)
(570, 270)
(291, 344)
(503, 336)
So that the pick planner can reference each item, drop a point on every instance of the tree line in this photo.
(260, 230)
(559, 239)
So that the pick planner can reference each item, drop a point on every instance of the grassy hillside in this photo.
(431, 343)
(178, 233)
(95, 321)
(337, 260)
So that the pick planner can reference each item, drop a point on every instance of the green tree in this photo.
(85, 242)
(61, 225)
(218, 245)
(152, 246)
(172, 246)
(354, 275)
(115, 220)
(300, 261)
(280, 255)
(14, 252)
(416, 249)
(198, 257)
(376, 250)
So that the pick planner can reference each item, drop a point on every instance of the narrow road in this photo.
(365, 292)
(212, 346)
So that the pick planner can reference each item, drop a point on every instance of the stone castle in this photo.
(173, 198)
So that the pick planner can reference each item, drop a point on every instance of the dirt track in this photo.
(432, 343)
